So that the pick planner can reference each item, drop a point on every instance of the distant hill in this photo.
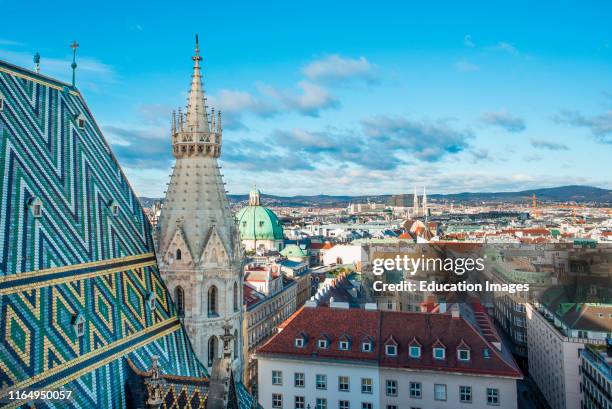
(562, 194)
(575, 193)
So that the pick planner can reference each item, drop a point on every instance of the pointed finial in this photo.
(37, 62)
(197, 57)
(74, 45)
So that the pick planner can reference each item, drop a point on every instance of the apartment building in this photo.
(557, 333)
(596, 376)
(339, 358)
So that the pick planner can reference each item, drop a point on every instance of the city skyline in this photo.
(456, 98)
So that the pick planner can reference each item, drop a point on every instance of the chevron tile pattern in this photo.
(79, 285)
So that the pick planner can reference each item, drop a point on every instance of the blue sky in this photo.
(345, 97)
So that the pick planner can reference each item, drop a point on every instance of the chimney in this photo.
(311, 303)
(455, 313)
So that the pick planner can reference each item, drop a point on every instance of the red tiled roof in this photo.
(321, 246)
(427, 329)
(251, 296)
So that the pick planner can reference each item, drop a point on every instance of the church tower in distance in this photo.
(199, 250)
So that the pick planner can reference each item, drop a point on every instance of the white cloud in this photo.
(505, 120)
(465, 66)
(310, 101)
(335, 67)
(506, 47)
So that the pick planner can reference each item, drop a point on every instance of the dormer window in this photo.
(344, 343)
(78, 324)
(151, 300)
(463, 354)
(81, 121)
(36, 207)
(439, 350)
(439, 353)
(391, 347)
(391, 350)
(300, 342)
(113, 206)
(366, 346)
(414, 349)
(463, 351)
(323, 344)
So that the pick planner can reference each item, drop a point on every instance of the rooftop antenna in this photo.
(74, 45)
(37, 62)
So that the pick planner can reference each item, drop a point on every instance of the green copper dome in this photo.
(257, 222)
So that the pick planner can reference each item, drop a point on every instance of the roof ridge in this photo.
(33, 75)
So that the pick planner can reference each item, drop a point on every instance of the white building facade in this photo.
(554, 356)
(369, 359)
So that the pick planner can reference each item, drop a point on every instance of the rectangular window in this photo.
(492, 396)
(366, 405)
(277, 400)
(391, 387)
(299, 342)
(366, 347)
(415, 352)
(343, 383)
(439, 391)
(366, 385)
(465, 393)
(321, 403)
(343, 345)
(391, 350)
(277, 377)
(321, 381)
(299, 379)
(464, 354)
(299, 402)
(344, 404)
(415, 390)
(438, 353)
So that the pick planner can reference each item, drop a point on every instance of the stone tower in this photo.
(198, 244)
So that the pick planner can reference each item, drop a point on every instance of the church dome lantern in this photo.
(259, 226)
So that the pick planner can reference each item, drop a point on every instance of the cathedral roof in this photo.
(75, 248)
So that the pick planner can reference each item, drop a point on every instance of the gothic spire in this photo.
(197, 117)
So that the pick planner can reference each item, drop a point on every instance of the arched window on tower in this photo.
(179, 299)
(235, 297)
(178, 254)
(212, 349)
(212, 301)
(236, 344)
